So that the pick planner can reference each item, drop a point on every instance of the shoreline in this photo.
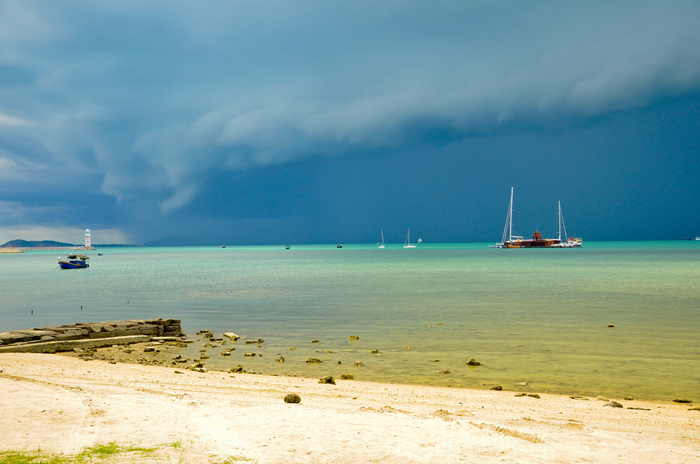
(64, 406)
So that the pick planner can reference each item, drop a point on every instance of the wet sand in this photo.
(63, 404)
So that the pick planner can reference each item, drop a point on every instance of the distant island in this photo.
(36, 244)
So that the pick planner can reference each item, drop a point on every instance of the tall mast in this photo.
(510, 214)
(559, 221)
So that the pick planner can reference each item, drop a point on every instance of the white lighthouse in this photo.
(88, 242)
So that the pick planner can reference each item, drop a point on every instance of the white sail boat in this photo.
(381, 247)
(569, 242)
(508, 240)
(407, 244)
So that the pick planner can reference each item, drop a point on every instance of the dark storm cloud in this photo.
(153, 97)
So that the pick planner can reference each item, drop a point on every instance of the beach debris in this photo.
(497, 387)
(443, 414)
(313, 361)
(473, 362)
(354, 338)
(682, 401)
(629, 398)
(443, 371)
(292, 398)
(280, 359)
(314, 341)
(613, 404)
(249, 354)
(347, 377)
(374, 351)
(611, 325)
(359, 364)
(232, 336)
(327, 379)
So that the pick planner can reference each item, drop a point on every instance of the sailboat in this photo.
(570, 242)
(407, 244)
(508, 240)
(381, 247)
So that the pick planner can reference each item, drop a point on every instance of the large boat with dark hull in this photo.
(515, 241)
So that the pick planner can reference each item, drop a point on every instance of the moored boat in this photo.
(74, 262)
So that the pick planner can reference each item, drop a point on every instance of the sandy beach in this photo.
(63, 404)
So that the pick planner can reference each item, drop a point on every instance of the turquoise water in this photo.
(535, 316)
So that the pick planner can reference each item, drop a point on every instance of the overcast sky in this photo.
(278, 122)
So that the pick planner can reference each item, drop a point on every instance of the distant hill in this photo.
(173, 242)
(36, 244)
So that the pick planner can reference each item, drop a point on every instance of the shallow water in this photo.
(535, 316)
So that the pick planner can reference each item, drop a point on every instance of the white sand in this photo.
(62, 405)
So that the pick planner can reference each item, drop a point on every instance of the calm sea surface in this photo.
(535, 316)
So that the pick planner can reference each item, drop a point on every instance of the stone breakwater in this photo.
(92, 334)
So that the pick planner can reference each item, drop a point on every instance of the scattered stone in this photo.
(640, 409)
(339, 362)
(249, 354)
(435, 361)
(579, 398)
(613, 404)
(280, 359)
(260, 341)
(226, 353)
(441, 324)
(238, 368)
(292, 398)
(179, 372)
(521, 384)
(602, 398)
(327, 379)
(407, 347)
(314, 341)
(374, 351)
(443, 371)
(691, 409)
(431, 326)
(350, 377)
(629, 398)
(533, 395)
(292, 348)
(353, 338)
(204, 356)
(149, 349)
(359, 364)
(473, 362)
(682, 401)
(232, 336)
(251, 342)
(313, 361)
(518, 395)
(497, 387)
(611, 325)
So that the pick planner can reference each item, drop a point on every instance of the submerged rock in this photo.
(353, 338)
(359, 364)
(231, 335)
(443, 371)
(314, 341)
(497, 387)
(682, 401)
(280, 359)
(292, 398)
(313, 361)
(473, 362)
(347, 377)
(327, 379)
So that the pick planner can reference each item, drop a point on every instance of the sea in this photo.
(538, 320)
